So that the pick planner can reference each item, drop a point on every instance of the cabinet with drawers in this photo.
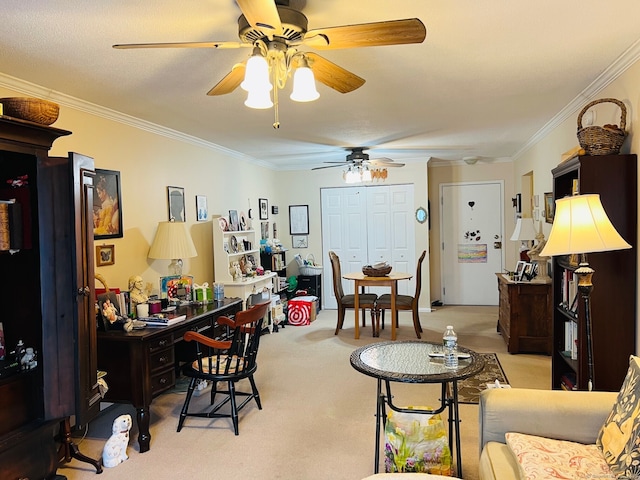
(313, 285)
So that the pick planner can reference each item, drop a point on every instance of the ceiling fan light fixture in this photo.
(256, 76)
(365, 174)
(304, 84)
(259, 99)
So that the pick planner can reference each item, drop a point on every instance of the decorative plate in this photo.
(224, 226)
(234, 244)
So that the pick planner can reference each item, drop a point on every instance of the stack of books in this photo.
(161, 320)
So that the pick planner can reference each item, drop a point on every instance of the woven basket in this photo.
(602, 140)
(310, 269)
(34, 110)
(369, 271)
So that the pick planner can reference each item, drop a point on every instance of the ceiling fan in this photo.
(276, 31)
(357, 158)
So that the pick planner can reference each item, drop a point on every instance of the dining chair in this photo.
(226, 361)
(404, 302)
(365, 300)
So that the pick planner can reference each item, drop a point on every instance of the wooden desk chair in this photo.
(366, 300)
(226, 361)
(404, 302)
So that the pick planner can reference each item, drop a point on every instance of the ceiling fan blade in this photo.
(230, 82)
(183, 45)
(386, 164)
(338, 164)
(332, 75)
(263, 15)
(392, 32)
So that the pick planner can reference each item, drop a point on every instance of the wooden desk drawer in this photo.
(162, 381)
(160, 343)
(161, 359)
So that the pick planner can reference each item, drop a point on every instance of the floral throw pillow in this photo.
(619, 437)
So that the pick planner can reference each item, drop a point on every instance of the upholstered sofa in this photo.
(553, 414)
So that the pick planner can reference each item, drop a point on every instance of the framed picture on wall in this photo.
(549, 207)
(176, 204)
(201, 208)
(105, 255)
(263, 204)
(299, 219)
(107, 205)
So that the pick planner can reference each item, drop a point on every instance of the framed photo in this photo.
(107, 205)
(175, 197)
(549, 207)
(105, 255)
(263, 204)
(201, 208)
(299, 219)
(519, 270)
(300, 241)
(528, 272)
(233, 220)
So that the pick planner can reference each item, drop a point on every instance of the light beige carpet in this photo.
(318, 416)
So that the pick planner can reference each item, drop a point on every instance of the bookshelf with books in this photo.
(613, 298)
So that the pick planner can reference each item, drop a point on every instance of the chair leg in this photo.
(256, 395)
(416, 324)
(383, 319)
(340, 322)
(234, 406)
(364, 318)
(185, 407)
(214, 391)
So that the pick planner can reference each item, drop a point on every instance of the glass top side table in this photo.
(416, 361)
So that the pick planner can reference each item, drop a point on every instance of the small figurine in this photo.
(235, 271)
(137, 294)
(115, 450)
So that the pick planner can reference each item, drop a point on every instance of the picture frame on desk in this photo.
(520, 266)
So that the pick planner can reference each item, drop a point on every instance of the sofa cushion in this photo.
(540, 457)
(618, 438)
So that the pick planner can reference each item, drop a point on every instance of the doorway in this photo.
(471, 240)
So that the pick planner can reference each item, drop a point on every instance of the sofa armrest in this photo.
(559, 414)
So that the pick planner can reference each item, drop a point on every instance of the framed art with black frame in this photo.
(175, 198)
(107, 205)
(299, 219)
(263, 204)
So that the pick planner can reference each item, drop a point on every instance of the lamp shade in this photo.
(524, 230)
(581, 225)
(304, 85)
(172, 241)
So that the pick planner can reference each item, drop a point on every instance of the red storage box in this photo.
(301, 310)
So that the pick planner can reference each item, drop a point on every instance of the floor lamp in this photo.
(581, 226)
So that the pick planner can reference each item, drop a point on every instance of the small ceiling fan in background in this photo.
(361, 168)
(276, 31)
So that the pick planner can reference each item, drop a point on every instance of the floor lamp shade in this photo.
(524, 230)
(172, 241)
(581, 225)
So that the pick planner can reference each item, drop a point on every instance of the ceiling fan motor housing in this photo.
(294, 26)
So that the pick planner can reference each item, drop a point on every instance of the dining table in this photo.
(389, 280)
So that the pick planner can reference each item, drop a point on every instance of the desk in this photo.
(141, 364)
(390, 280)
(409, 362)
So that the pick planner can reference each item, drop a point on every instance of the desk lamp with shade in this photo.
(172, 242)
(581, 226)
(524, 232)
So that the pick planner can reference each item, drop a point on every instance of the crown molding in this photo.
(617, 68)
(32, 89)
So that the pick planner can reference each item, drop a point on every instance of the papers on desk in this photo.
(161, 321)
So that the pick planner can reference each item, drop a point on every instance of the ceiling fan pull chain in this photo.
(276, 122)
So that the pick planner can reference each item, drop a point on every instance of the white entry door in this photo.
(471, 241)
(364, 225)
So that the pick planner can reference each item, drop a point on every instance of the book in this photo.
(161, 321)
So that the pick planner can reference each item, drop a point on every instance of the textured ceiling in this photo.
(488, 77)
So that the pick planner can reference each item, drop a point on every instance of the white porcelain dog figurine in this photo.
(115, 450)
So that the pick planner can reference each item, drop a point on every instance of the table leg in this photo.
(451, 392)
(394, 311)
(356, 306)
(379, 412)
(144, 437)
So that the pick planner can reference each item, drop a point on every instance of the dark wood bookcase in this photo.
(49, 299)
(613, 299)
